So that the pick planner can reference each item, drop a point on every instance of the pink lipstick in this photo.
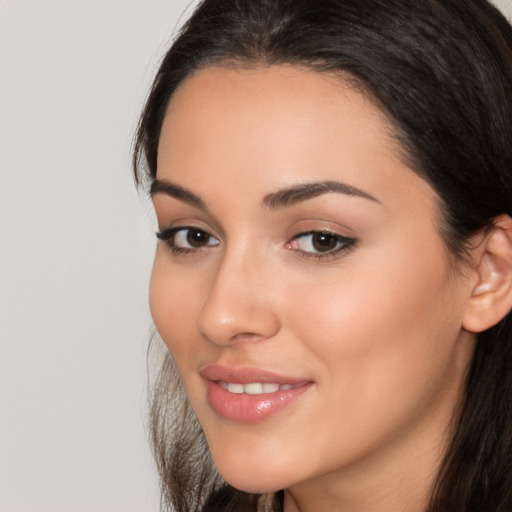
(250, 395)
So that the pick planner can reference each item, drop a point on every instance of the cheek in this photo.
(173, 303)
(380, 328)
(383, 351)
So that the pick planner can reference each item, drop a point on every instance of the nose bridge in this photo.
(237, 306)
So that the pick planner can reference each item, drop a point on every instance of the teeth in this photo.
(253, 389)
(235, 388)
(270, 388)
(256, 388)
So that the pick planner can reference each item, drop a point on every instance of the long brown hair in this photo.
(442, 72)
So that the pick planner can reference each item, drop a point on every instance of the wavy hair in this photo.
(441, 70)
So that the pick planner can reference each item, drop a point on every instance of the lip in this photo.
(245, 408)
(245, 375)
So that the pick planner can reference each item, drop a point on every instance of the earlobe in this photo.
(491, 298)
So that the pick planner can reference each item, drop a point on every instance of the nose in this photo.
(238, 306)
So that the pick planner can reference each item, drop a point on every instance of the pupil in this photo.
(324, 242)
(197, 238)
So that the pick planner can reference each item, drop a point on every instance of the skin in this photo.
(376, 327)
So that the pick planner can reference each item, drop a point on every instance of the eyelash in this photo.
(169, 236)
(342, 243)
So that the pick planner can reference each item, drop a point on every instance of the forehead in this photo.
(275, 126)
(271, 94)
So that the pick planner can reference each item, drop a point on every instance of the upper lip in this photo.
(246, 375)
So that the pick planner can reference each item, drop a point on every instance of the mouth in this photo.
(257, 388)
(250, 395)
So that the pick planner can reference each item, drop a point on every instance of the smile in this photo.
(250, 395)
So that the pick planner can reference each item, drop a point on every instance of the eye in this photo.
(320, 243)
(187, 239)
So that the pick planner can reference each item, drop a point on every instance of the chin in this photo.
(252, 484)
(253, 476)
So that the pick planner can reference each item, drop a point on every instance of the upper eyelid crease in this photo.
(297, 194)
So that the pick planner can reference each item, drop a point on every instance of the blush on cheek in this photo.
(368, 310)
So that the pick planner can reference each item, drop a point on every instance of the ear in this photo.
(491, 298)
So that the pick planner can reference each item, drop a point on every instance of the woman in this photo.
(333, 278)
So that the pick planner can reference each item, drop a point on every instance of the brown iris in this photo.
(324, 242)
(197, 237)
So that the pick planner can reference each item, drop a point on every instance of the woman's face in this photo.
(300, 281)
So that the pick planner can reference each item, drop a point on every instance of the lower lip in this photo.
(245, 408)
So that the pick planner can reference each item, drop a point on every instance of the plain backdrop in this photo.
(76, 245)
(75, 253)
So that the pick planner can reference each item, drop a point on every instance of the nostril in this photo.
(247, 337)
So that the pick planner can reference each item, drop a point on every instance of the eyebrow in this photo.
(170, 189)
(297, 194)
(275, 200)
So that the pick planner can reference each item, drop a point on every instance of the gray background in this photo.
(75, 254)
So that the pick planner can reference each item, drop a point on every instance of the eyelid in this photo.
(168, 223)
(344, 244)
(168, 236)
